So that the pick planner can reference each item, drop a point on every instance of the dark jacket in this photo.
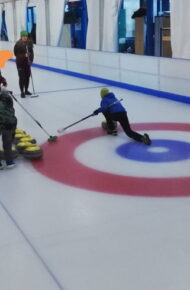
(20, 50)
(8, 119)
(111, 104)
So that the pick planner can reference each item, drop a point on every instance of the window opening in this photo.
(31, 22)
(4, 35)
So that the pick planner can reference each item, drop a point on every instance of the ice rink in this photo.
(98, 212)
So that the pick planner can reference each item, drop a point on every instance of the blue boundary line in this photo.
(143, 90)
(159, 94)
(32, 247)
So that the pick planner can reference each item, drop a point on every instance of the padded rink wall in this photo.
(158, 76)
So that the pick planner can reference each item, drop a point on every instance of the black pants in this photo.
(24, 72)
(124, 122)
(7, 139)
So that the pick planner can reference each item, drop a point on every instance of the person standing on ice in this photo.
(8, 123)
(113, 112)
(24, 53)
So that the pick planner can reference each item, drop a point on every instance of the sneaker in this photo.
(146, 139)
(10, 163)
(113, 132)
(1, 166)
(22, 95)
(28, 93)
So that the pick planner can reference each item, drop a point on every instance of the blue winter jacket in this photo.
(107, 104)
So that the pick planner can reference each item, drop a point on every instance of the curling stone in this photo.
(22, 145)
(18, 136)
(105, 126)
(19, 131)
(28, 139)
(110, 132)
(33, 152)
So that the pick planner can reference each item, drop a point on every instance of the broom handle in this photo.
(91, 115)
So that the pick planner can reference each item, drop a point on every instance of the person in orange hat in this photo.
(24, 53)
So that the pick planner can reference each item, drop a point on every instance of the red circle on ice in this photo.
(60, 164)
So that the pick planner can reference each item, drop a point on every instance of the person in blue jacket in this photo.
(113, 111)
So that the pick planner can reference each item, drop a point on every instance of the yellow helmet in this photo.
(104, 92)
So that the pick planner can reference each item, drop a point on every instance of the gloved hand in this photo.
(96, 112)
(4, 84)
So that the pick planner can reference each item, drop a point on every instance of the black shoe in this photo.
(112, 132)
(146, 139)
(28, 93)
(10, 163)
(22, 95)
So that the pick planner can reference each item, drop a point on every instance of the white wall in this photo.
(162, 74)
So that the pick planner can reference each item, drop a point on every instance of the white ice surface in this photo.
(54, 236)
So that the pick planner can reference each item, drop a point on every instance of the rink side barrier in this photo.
(161, 77)
(139, 89)
(152, 92)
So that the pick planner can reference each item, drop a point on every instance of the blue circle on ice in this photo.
(158, 151)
